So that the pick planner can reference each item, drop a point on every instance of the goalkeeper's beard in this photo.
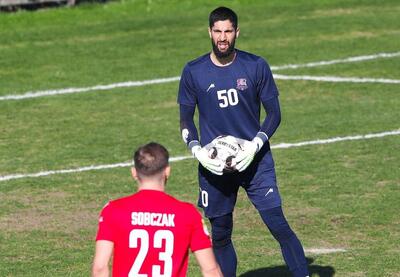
(225, 54)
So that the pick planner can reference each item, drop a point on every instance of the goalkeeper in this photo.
(228, 86)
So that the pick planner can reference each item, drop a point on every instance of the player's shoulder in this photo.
(178, 201)
(183, 206)
(198, 62)
(248, 57)
(118, 202)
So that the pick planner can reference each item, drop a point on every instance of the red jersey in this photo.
(152, 232)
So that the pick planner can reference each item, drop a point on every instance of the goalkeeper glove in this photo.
(246, 156)
(213, 165)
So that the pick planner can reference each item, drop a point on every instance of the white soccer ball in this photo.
(225, 148)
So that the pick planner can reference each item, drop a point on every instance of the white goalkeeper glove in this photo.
(246, 156)
(213, 165)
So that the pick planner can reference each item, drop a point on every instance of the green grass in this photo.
(341, 195)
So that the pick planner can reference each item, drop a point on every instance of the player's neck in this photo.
(151, 186)
(223, 61)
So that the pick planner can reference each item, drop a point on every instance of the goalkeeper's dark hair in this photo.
(150, 159)
(221, 14)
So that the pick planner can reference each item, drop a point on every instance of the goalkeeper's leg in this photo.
(221, 229)
(292, 250)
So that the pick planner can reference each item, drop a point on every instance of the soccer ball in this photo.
(225, 148)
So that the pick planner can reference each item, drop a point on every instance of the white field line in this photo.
(175, 159)
(336, 139)
(335, 79)
(345, 60)
(80, 169)
(323, 250)
(34, 94)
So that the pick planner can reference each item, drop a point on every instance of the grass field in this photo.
(341, 195)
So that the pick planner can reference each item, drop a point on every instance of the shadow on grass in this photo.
(283, 271)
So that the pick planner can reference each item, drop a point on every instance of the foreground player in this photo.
(228, 86)
(150, 232)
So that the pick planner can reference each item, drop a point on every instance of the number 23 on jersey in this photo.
(162, 239)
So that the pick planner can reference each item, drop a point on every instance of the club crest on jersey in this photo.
(241, 84)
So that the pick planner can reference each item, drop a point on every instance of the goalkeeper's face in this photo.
(223, 36)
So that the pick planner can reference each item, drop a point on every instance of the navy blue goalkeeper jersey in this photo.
(228, 97)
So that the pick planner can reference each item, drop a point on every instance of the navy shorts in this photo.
(217, 194)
